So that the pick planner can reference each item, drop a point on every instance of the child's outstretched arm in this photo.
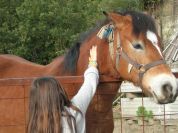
(85, 94)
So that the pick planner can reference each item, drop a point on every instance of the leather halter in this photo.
(107, 31)
(142, 69)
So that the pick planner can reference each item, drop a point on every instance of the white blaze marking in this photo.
(153, 38)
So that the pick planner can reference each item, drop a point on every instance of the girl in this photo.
(51, 111)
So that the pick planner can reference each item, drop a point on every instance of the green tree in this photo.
(8, 25)
(47, 27)
(111, 5)
(39, 30)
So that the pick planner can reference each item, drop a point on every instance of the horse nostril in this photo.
(167, 89)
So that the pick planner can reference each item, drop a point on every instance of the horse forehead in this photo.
(152, 37)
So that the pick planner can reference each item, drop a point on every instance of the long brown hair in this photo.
(46, 104)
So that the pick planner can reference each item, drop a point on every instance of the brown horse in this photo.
(128, 48)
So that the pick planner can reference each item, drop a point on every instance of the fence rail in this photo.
(14, 100)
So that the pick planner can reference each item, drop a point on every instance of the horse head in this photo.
(134, 48)
(128, 47)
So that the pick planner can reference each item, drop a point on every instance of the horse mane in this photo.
(140, 21)
(71, 58)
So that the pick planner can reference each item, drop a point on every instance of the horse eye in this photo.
(137, 46)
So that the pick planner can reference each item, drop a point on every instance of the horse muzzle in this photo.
(167, 97)
(164, 88)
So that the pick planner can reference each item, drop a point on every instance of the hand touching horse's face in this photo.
(141, 60)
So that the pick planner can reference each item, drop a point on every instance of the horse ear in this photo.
(118, 19)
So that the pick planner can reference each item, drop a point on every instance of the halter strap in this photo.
(118, 49)
(107, 31)
(129, 60)
(141, 68)
(146, 67)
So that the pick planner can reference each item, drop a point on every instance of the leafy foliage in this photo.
(122, 5)
(9, 38)
(39, 30)
(151, 4)
(143, 112)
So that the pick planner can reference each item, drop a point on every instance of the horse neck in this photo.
(55, 67)
(104, 61)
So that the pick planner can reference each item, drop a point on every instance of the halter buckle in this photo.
(142, 69)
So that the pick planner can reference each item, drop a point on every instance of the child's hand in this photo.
(93, 56)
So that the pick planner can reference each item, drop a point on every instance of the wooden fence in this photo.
(14, 94)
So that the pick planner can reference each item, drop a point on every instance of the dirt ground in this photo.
(131, 125)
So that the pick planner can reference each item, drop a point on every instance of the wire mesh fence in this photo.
(141, 114)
